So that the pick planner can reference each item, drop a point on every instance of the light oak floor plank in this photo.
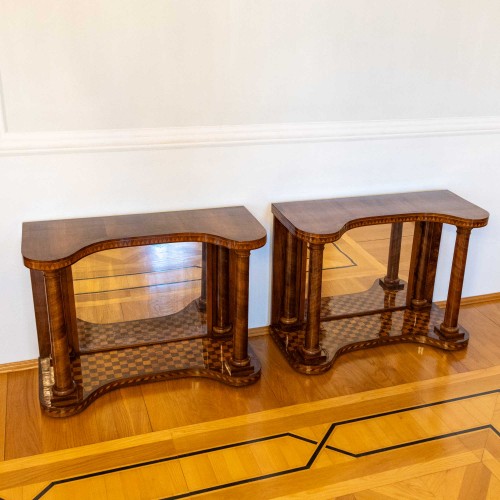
(355, 443)
(23, 429)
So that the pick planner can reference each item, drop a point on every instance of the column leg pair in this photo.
(420, 290)
(289, 256)
(423, 272)
(311, 349)
(224, 269)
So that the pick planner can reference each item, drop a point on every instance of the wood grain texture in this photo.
(322, 221)
(395, 371)
(449, 327)
(49, 245)
(23, 428)
(18, 366)
(314, 348)
(182, 402)
(423, 264)
(391, 279)
(72, 378)
(338, 446)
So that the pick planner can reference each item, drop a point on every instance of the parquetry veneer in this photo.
(80, 361)
(313, 331)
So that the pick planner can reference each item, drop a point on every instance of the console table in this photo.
(80, 361)
(313, 331)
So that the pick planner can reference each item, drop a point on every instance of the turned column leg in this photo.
(240, 361)
(449, 327)
(41, 313)
(311, 351)
(419, 300)
(423, 265)
(289, 313)
(391, 281)
(278, 270)
(63, 378)
(221, 324)
(202, 301)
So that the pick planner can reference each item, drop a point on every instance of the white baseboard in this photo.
(178, 137)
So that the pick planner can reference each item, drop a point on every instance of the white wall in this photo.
(98, 96)
(103, 64)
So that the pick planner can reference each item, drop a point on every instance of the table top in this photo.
(50, 245)
(324, 221)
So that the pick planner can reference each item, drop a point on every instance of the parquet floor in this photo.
(403, 421)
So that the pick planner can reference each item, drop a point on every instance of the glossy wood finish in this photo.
(202, 302)
(391, 280)
(221, 299)
(70, 379)
(56, 244)
(374, 443)
(240, 361)
(289, 279)
(41, 312)
(311, 351)
(324, 221)
(290, 316)
(449, 327)
(138, 410)
(64, 383)
(425, 253)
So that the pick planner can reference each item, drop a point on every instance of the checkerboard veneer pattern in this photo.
(188, 323)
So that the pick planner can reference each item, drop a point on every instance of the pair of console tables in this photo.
(79, 361)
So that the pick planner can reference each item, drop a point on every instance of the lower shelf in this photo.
(373, 300)
(190, 322)
(101, 372)
(344, 335)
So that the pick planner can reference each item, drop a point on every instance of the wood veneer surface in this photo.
(55, 244)
(321, 221)
(427, 439)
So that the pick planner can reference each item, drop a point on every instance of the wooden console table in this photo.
(80, 361)
(313, 331)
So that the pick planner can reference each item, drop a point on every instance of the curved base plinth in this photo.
(362, 332)
(99, 373)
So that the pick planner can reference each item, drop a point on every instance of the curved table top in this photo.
(50, 245)
(324, 221)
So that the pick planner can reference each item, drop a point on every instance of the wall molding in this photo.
(18, 366)
(13, 144)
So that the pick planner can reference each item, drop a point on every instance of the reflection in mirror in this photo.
(160, 283)
(356, 263)
(353, 263)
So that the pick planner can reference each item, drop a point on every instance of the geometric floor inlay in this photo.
(299, 450)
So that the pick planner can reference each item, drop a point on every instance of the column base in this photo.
(420, 304)
(290, 326)
(57, 393)
(68, 400)
(391, 285)
(449, 333)
(237, 370)
(316, 357)
(219, 331)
